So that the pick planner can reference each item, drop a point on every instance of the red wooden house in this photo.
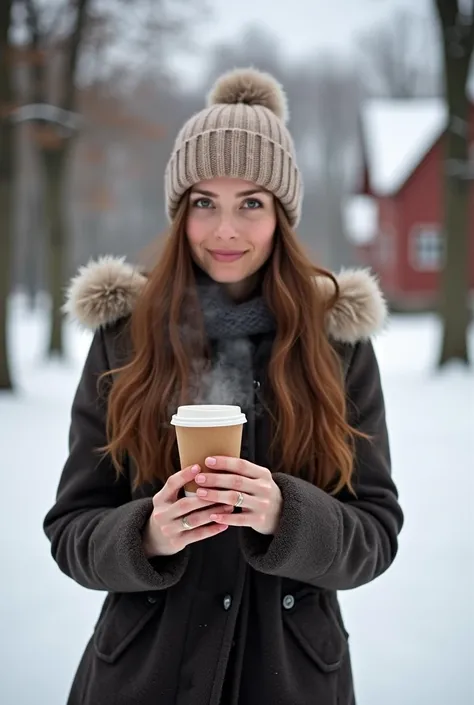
(396, 218)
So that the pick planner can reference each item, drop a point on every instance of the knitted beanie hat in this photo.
(241, 134)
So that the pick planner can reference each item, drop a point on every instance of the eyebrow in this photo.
(241, 194)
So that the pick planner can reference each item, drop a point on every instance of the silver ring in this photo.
(186, 524)
(240, 501)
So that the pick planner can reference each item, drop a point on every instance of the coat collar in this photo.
(106, 290)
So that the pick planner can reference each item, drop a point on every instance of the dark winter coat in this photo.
(257, 613)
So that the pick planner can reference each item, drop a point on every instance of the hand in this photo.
(261, 508)
(165, 534)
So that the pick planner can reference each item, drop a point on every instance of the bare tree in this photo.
(325, 94)
(55, 124)
(336, 107)
(256, 47)
(130, 41)
(6, 184)
(399, 59)
(82, 42)
(456, 18)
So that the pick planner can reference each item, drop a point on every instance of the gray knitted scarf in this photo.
(225, 319)
(230, 325)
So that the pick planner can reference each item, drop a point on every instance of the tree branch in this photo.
(75, 42)
(55, 23)
(38, 69)
(470, 33)
(448, 11)
(32, 20)
(5, 24)
(457, 29)
(6, 91)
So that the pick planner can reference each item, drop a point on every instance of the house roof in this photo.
(397, 135)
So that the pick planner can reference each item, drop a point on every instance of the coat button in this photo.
(151, 600)
(288, 602)
(227, 602)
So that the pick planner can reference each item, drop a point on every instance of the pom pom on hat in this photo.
(251, 87)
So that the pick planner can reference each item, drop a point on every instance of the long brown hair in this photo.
(311, 432)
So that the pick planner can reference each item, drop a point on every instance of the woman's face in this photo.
(230, 227)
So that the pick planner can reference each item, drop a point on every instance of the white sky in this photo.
(304, 26)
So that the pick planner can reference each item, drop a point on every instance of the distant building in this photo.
(396, 218)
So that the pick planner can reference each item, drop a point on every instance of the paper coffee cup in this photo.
(204, 430)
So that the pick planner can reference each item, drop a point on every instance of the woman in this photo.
(208, 604)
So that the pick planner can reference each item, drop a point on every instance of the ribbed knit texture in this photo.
(224, 319)
(240, 141)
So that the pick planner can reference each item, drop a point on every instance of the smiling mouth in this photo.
(226, 255)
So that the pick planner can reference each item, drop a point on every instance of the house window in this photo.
(427, 248)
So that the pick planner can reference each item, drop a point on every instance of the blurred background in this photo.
(92, 94)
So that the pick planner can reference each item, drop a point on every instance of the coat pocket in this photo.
(122, 619)
(315, 627)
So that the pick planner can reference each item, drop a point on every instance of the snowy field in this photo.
(411, 630)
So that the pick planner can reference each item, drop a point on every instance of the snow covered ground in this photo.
(411, 630)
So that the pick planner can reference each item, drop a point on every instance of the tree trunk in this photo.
(454, 294)
(54, 161)
(6, 197)
(454, 284)
(6, 191)
(32, 250)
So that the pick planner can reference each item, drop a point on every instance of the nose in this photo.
(225, 229)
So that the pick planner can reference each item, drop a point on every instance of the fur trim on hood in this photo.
(106, 290)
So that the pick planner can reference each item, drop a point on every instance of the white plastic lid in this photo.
(208, 415)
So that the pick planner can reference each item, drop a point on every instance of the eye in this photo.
(253, 204)
(202, 203)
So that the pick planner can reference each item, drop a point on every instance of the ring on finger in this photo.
(240, 500)
(186, 525)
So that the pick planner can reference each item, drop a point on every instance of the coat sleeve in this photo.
(95, 527)
(340, 542)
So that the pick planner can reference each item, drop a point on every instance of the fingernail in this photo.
(201, 479)
(211, 461)
(201, 493)
(195, 468)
